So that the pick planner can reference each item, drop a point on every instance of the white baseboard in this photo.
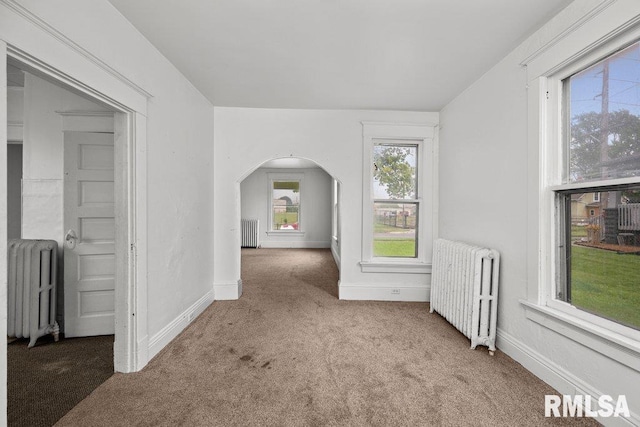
(169, 332)
(555, 375)
(368, 292)
(336, 256)
(142, 355)
(273, 244)
(227, 291)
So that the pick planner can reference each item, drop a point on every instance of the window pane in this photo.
(604, 118)
(603, 266)
(394, 231)
(394, 171)
(286, 205)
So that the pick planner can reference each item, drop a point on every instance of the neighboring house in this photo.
(585, 206)
(280, 205)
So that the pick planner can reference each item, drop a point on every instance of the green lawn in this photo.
(606, 283)
(394, 247)
(291, 217)
(578, 231)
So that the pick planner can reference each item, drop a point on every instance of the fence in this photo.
(397, 220)
(629, 217)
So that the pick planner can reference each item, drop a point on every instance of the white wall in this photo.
(43, 156)
(315, 208)
(93, 44)
(15, 118)
(245, 138)
(486, 198)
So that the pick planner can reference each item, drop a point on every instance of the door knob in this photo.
(70, 239)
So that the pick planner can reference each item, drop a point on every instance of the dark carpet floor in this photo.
(46, 381)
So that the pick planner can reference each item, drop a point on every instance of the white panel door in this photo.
(89, 245)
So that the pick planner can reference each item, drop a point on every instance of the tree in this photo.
(623, 140)
(393, 171)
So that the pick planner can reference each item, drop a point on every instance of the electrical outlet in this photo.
(395, 291)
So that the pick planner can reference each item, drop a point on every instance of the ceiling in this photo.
(336, 54)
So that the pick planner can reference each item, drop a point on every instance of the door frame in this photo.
(131, 336)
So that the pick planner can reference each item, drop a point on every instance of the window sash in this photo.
(592, 160)
(395, 228)
(413, 156)
(283, 182)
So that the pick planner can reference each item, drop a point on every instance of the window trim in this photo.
(335, 211)
(280, 177)
(424, 136)
(545, 180)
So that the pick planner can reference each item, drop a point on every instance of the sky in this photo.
(624, 84)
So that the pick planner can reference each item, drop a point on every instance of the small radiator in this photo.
(250, 233)
(31, 289)
(464, 289)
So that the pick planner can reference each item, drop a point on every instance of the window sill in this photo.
(285, 233)
(618, 347)
(395, 267)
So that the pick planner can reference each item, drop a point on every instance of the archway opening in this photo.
(292, 204)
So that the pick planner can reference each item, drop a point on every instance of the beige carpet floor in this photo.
(289, 353)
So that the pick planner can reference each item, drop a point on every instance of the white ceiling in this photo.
(336, 54)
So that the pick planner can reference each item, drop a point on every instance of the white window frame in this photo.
(424, 137)
(289, 177)
(621, 343)
(335, 212)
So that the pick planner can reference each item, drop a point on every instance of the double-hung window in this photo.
(596, 196)
(285, 195)
(395, 199)
(398, 197)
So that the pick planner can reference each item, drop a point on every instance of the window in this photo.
(285, 194)
(398, 197)
(395, 203)
(596, 267)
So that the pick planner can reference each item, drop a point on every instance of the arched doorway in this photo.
(290, 203)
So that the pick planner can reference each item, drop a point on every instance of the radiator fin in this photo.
(464, 289)
(31, 289)
(250, 233)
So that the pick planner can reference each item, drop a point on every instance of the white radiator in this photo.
(250, 233)
(31, 289)
(464, 289)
